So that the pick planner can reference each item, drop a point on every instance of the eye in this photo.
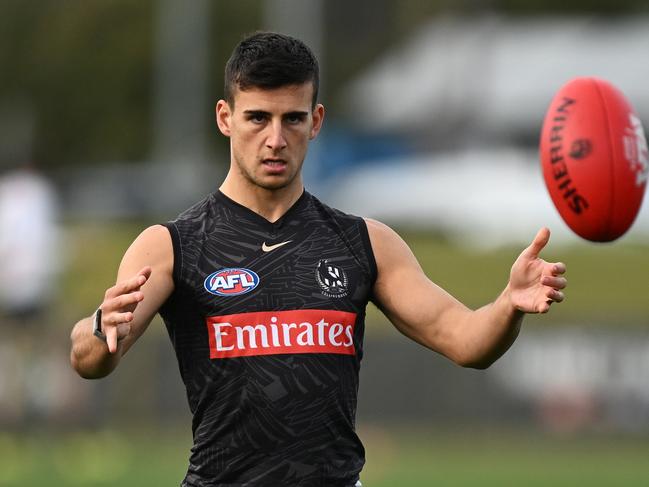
(256, 117)
(295, 118)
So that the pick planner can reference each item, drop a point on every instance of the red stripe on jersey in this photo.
(275, 332)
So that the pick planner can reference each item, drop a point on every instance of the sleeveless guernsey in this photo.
(267, 323)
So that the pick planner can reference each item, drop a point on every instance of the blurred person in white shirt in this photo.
(29, 243)
(30, 260)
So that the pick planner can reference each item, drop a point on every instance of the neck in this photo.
(269, 203)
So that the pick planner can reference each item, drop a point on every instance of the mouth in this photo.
(273, 162)
(274, 165)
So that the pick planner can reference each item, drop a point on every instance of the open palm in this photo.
(534, 283)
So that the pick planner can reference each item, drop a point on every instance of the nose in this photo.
(275, 139)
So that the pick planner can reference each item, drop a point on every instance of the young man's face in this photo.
(269, 133)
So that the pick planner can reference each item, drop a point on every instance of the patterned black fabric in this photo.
(275, 419)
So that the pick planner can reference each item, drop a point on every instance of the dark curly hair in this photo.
(270, 60)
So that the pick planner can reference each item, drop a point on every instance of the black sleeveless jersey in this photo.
(267, 323)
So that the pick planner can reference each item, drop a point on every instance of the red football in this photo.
(594, 158)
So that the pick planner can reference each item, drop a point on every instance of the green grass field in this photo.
(421, 457)
(395, 457)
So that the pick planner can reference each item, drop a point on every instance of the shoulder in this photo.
(154, 235)
(378, 229)
(391, 252)
(383, 238)
(152, 247)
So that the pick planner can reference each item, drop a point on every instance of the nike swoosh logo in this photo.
(268, 248)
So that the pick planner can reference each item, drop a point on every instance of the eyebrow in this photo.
(295, 113)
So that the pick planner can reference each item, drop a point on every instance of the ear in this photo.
(223, 117)
(318, 118)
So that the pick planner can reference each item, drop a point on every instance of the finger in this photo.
(129, 285)
(123, 301)
(111, 338)
(540, 240)
(145, 271)
(554, 282)
(125, 287)
(555, 296)
(558, 268)
(115, 319)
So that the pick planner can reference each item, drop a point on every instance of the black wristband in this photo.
(97, 331)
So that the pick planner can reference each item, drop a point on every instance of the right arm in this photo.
(144, 282)
(429, 315)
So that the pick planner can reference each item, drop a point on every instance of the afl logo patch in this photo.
(231, 282)
(332, 279)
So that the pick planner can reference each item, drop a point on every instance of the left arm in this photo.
(432, 317)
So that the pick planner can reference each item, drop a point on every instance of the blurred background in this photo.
(434, 110)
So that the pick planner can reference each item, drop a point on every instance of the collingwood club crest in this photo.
(332, 279)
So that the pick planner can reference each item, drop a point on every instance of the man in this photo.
(30, 261)
(263, 291)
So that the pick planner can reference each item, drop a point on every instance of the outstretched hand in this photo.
(119, 304)
(535, 284)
